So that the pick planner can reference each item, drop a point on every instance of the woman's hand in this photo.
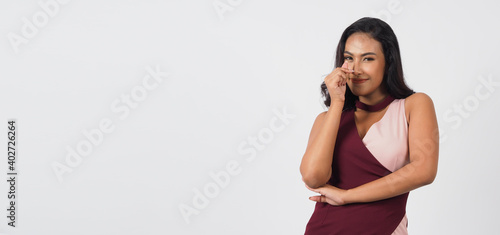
(329, 194)
(336, 83)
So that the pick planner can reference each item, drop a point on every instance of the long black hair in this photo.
(393, 80)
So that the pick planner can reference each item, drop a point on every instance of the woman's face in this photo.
(364, 55)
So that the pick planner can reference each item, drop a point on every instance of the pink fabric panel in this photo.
(402, 228)
(387, 139)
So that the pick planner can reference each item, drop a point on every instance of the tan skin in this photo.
(365, 61)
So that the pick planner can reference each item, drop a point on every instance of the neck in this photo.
(373, 98)
(375, 107)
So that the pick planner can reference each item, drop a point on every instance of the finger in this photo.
(347, 73)
(319, 198)
(312, 189)
(345, 67)
(343, 79)
(347, 70)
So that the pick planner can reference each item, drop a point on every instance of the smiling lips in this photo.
(358, 80)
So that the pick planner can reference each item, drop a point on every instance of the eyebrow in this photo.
(364, 54)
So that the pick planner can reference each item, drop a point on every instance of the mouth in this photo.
(358, 80)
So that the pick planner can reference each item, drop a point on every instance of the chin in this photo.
(358, 92)
(362, 90)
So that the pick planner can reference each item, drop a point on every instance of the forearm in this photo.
(317, 160)
(409, 177)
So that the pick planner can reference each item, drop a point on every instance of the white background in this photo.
(227, 72)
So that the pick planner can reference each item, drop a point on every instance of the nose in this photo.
(356, 68)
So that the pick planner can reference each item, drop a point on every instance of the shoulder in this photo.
(318, 123)
(320, 117)
(319, 120)
(418, 102)
(418, 97)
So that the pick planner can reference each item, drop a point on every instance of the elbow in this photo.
(424, 172)
(313, 183)
(427, 178)
(315, 180)
(315, 174)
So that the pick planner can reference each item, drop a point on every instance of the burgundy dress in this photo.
(353, 165)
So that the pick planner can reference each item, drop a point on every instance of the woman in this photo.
(382, 135)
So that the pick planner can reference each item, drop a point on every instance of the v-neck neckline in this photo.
(369, 128)
(359, 140)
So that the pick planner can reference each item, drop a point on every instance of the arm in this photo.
(423, 147)
(316, 165)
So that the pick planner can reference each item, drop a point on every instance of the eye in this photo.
(348, 58)
(368, 59)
